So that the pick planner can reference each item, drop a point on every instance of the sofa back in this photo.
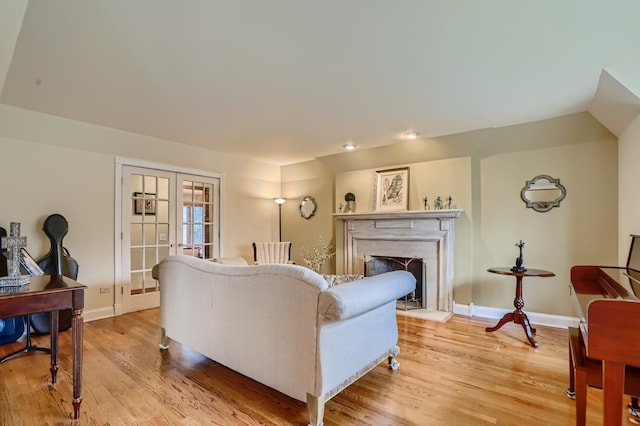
(261, 321)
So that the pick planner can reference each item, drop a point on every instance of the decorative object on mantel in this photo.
(350, 199)
(13, 243)
(317, 254)
(519, 266)
(392, 189)
(542, 193)
(437, 205)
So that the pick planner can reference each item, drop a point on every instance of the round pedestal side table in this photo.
(518, 316)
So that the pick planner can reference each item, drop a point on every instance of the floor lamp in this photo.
(280, 201)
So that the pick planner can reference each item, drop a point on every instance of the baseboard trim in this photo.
(549, 320)
(469, 310)
(96, 314)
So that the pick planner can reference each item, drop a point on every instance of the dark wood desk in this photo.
(51, 294)
(518, 316)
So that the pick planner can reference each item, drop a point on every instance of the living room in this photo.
(56, 164)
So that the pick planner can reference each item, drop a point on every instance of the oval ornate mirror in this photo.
(542, 193)
(307, 207)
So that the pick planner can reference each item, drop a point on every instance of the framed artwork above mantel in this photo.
(392, 189)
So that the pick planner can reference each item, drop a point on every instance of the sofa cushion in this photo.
(340, 279)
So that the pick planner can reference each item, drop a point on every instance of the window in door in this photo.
(149, 230)
(200, 223)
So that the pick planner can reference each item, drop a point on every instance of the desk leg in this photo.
(53, 323)
(77, 324)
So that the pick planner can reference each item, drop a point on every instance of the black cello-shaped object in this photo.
(56, 262)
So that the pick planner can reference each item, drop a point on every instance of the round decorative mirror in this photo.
(307, 207)
(542, 193)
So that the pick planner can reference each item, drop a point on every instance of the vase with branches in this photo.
(317, 254)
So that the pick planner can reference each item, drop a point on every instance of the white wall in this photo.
(54, 165)
(629, 178)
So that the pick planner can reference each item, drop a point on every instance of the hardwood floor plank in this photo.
(451, 373)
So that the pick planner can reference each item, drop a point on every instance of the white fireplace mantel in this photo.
(410, 214)
(424, 234)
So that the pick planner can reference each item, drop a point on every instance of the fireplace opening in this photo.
(374, 265)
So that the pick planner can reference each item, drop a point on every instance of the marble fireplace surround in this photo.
(427, 235)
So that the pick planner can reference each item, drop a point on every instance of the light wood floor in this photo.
(450, 374)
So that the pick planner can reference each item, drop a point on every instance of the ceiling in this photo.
(286, 81)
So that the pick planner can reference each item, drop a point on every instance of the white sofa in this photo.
(281, 324)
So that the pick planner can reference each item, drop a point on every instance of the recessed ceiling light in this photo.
(410, 135)
(350, 146)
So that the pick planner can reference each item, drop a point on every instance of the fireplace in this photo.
(425, 235)
(375, 265)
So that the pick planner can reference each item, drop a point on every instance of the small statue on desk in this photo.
(519, 260)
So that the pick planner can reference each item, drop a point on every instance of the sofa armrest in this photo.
(357, 297)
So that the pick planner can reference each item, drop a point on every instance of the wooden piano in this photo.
(607, 301)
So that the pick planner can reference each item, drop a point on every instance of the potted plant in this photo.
(350, 198)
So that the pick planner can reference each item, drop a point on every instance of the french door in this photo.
(198, 230)
(163, 213)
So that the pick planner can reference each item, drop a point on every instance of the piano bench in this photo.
(584, 371)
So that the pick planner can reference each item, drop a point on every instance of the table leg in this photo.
(54, 325)
(517, 316)
(524, 321)
(77, 324)
(508, 317)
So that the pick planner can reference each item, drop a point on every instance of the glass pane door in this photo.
(148, 239)
(198, 235)
(163, 213)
